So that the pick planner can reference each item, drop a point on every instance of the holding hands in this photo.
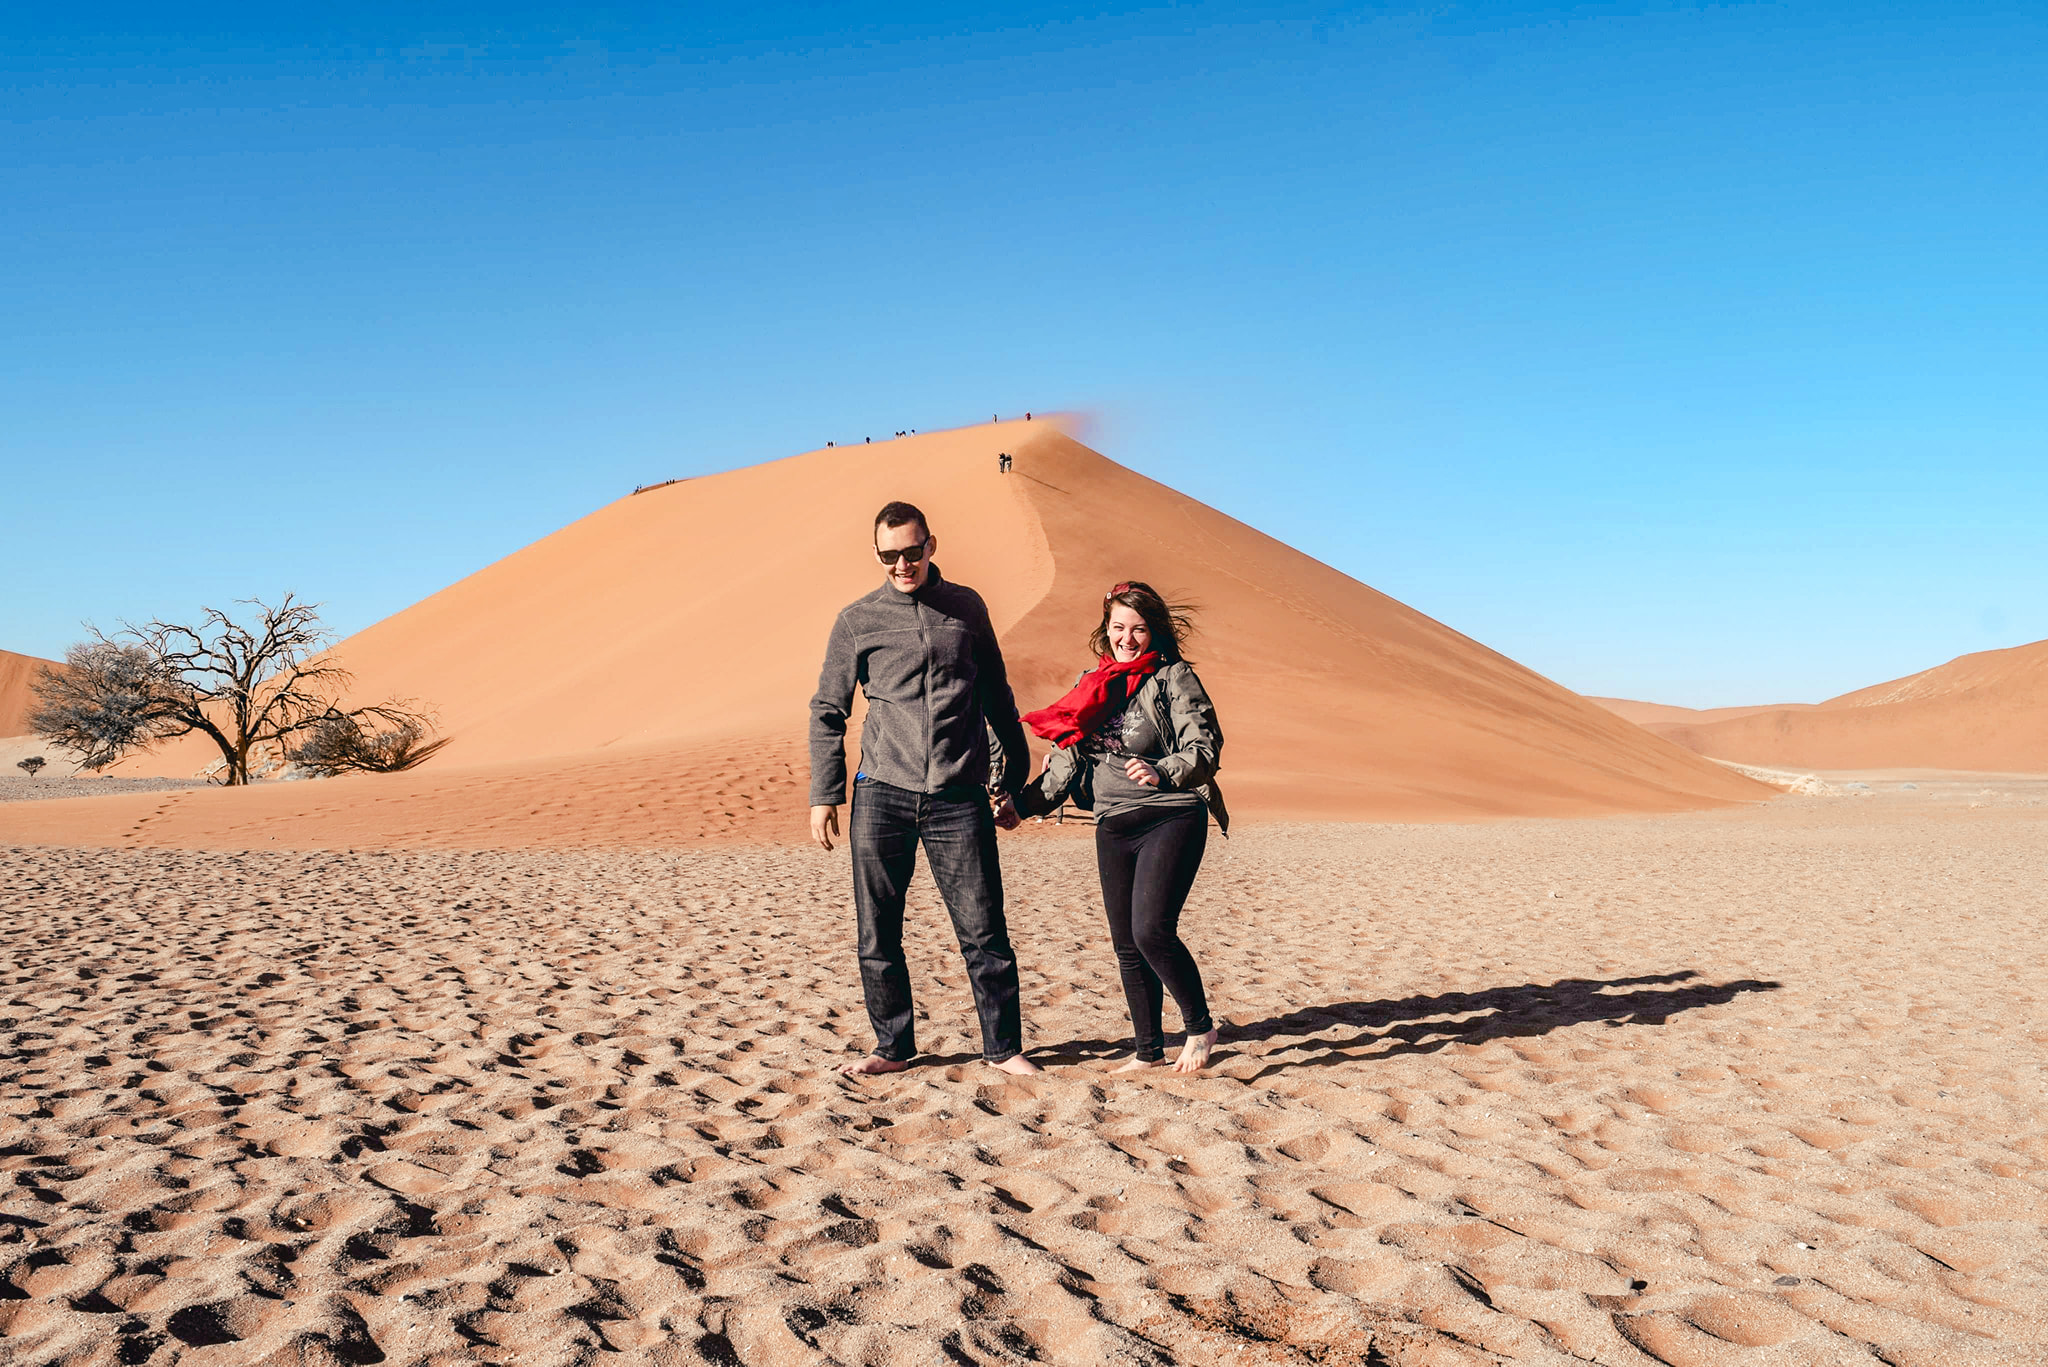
(1006, 811)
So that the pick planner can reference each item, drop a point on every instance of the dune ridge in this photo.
(1336, 700)
(640, 677)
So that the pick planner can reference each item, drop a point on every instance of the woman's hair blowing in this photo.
(1170, 623)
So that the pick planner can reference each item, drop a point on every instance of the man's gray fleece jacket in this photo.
(933, 673)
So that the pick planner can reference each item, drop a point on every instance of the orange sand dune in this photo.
(1987, 711)
(1657, 713)
(17, 672)
(640, 677)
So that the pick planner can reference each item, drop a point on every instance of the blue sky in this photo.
(1682, 352)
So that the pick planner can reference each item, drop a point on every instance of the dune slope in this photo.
(17, 672)
(1336, 700)
(640, 677)
(1665, 714)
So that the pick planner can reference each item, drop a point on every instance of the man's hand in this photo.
(1137, 771)
(1006, 813)
(824, 825)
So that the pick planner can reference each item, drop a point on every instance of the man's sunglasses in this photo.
(911, 553)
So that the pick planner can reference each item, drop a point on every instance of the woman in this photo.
(1137, 741)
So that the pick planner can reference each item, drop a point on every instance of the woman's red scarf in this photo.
(1075, 715)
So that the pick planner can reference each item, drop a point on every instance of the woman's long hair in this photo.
(1170, 623)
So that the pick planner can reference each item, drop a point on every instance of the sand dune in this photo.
(641, 675)
(1664, 714)
(1987, 711)
(1336, 700)
(17, 672)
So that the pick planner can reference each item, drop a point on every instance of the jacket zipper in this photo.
(924, 639)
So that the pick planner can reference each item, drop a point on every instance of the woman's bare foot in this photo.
(1194, 1054)
(873, 1063)
(1138, 1065)
(1018, 1064)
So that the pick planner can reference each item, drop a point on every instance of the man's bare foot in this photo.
(873, 1063)
(1017, 1064)
(1194, 1054)
(1138, 1065)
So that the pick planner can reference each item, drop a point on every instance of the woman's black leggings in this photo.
(1148, 858)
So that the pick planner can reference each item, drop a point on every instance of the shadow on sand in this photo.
(1350, 1032)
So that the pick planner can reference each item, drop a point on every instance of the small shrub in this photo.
(338, 743)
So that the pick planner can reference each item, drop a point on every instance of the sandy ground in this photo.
(57, 762)
(48, 786)
(1760, 1086)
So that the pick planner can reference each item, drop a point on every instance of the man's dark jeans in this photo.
(959, 836)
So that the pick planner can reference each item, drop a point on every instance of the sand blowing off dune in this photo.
(640, 677)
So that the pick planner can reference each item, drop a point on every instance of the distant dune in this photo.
(640, 677)
(1987, 711)
(17, 672)
(1657, 713)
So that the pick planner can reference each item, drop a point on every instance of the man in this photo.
(922, 650)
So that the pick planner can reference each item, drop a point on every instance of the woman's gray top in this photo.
(1169, 723)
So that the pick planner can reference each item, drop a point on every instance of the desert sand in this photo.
(1987, 711)
(640, 677)
(17, 672)
(1754, 1086)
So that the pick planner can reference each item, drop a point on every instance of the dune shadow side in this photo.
(1359, 1031)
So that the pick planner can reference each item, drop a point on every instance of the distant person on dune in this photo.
(1138, 742)
(923, 651)
(1003, 463)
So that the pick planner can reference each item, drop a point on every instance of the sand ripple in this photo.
(1752, 1088)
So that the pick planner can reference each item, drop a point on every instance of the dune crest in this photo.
(640, 677)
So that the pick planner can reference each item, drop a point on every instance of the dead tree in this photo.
(241, 686)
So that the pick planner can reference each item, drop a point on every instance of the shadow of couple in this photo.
(1360, 1031)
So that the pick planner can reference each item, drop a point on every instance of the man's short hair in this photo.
(901, 514)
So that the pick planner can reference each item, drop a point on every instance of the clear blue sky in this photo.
(1683, 352)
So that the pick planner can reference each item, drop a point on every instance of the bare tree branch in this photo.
(340, 741)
